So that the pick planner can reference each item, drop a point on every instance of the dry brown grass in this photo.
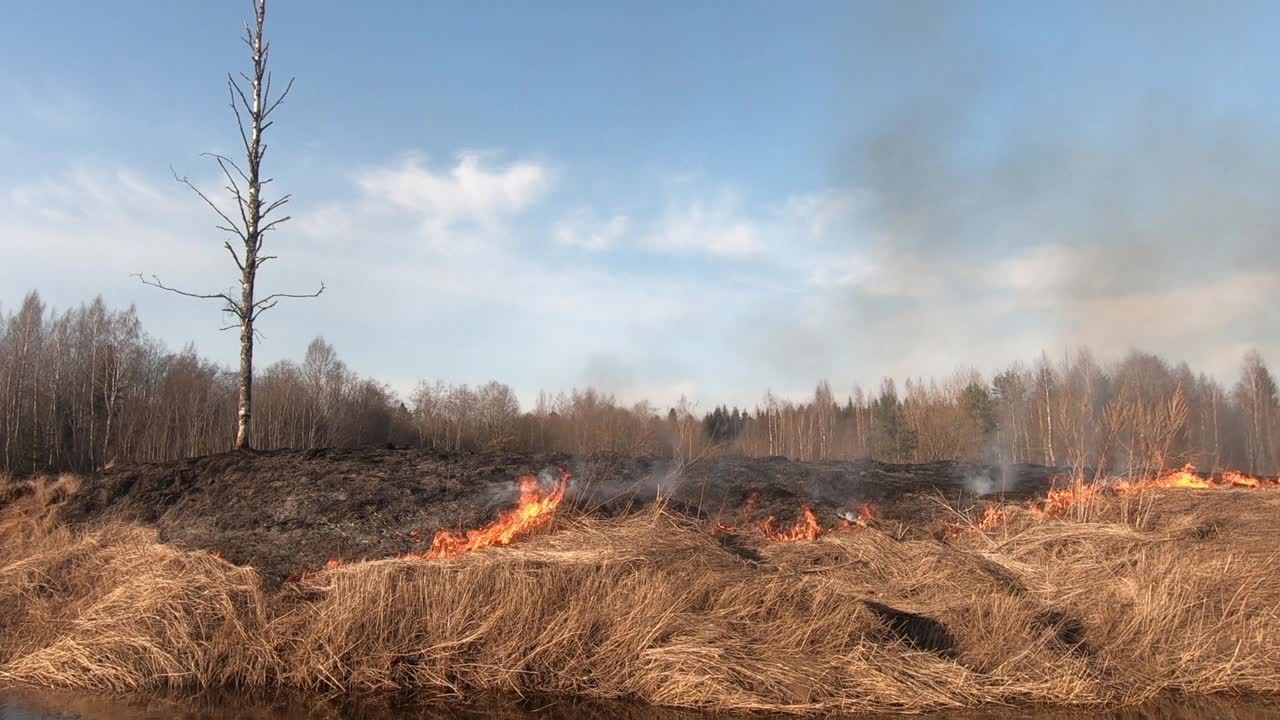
(1109, 610)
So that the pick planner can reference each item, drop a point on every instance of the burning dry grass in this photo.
(657, 608)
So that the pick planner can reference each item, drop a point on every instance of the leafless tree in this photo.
(253, 107)
(84, 386)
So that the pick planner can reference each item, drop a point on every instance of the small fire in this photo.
(333, 564)
(1187, 477)
(994, 517)
(865, 517)
(536, 509)
(1239, 479)
(806, 528)
(1184, 478)
(1058, 501)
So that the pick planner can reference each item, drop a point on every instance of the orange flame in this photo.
(806, 528)
(1188, 478)
(1239, 479)
(867, 515)
(1059, 500)
(993, 517)
(536, 509)
(1184, 478)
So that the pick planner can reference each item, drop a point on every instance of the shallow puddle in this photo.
(30, 704)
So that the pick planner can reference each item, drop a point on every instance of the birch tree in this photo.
(252, 102)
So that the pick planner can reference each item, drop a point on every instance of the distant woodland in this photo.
(86, 387)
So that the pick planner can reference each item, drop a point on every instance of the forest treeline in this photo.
(85, 387)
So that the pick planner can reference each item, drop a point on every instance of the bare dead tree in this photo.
(253, 108)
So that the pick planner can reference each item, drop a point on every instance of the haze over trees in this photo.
(83, 387)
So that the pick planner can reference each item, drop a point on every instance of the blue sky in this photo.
(712, 199)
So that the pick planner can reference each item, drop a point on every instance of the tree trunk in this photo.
(1048, 416)
(243, 440)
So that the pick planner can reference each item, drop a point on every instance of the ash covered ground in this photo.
(288, 511)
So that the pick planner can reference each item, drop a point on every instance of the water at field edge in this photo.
(36, 704)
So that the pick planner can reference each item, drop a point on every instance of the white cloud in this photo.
(106, 219)
(699, 220)
(811, 293)
(821, 212)
(467, 192)
(327, 221)
(714, 226)
(582, 229)
(489, 307)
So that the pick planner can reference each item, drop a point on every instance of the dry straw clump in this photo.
(113, 608)
(654, 607)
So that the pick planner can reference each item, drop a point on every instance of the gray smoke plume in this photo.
(595, 482)
(1087, 173)
(979, 485)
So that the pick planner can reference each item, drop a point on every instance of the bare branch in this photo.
(263, 258)
(233, 187)
(206, 200)
(238, 92)
(274, 296)
(270, 301)
(257, 334)
(278, 203)
(264, 308)
(232, 305)
(273, 223)
(234, 89)
(280, 99)
(228, 161)
(234, 255)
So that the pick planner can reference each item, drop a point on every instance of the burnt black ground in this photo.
(287, 511)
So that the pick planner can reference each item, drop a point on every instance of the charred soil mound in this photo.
(286, 511)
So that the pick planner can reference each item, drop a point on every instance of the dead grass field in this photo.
(1174, 591)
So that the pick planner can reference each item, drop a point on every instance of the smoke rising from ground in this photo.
(1111, 188)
